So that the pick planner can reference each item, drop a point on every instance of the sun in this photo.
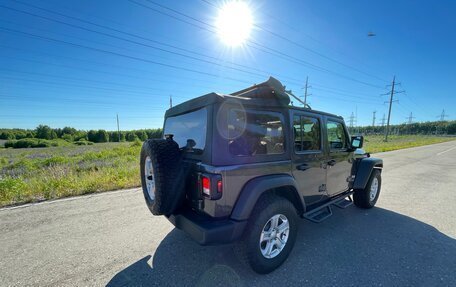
(234, 23)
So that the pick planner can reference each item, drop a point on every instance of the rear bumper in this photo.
(206, 231)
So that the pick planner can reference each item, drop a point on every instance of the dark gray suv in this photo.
(243, 167)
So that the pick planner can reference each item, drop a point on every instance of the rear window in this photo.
(255, 133)
(189, 129)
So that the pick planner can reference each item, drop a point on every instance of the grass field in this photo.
(374, 143)
(30, 175)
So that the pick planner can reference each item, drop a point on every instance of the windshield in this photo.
(189, 129)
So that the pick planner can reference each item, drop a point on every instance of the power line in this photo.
(174, 82)
(118, 54)
(124, 92)
(121, 91)
(330, 91)
(100, 50)
(147, 88)
(296, 44)
(107, 65)
(59, 101)
(277, 53)
(130, 41)
(135, 35)
(347, 101)
(340, 91)
(315, 52)
(255, 45)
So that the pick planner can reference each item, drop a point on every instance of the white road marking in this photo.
(442, 152)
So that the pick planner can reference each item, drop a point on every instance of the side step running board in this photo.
(319, 215)
(324, 211)
(344, 202)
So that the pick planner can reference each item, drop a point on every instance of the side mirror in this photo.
(357, 142)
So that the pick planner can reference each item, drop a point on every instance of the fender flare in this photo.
(256, 187)
(364, 171)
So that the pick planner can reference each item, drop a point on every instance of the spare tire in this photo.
(162, 175)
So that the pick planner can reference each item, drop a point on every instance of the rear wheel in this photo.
(270, 235)
(367, 197)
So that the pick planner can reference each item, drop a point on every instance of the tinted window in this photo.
(307, 133)
(187, 128)
(337, 138)
(255, 133)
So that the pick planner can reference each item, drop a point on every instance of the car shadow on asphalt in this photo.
(355, 247)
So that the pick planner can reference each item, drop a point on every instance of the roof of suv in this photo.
(268, 94)
(212, 98)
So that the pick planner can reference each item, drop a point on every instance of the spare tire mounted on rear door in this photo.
(162, 175)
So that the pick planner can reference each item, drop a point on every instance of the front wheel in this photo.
(367, 197)
(270, 235)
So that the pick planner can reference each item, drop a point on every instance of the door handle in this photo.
(332, 162)
(303, 166)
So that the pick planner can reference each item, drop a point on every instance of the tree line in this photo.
(73, 135)
(423, 128)
(99, 136)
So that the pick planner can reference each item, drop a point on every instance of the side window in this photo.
(255, 133)
(337, 137)
(307, 133)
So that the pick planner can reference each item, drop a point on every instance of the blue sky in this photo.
(127, 57)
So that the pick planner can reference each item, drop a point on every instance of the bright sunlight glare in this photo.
(234, 23)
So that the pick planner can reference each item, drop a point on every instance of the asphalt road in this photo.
(409, 239)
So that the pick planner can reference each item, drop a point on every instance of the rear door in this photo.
(308, 156)
(339, 159)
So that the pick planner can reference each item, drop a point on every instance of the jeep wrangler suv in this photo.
(243, 167)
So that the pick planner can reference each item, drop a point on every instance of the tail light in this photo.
(206, 186)
(211, 186)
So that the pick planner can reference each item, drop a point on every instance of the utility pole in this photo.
(352, 120)
(383, 121)
(305, 91)
(170, 101)
(442, 116)
(389, 111)
(409, 122)
(373, 118)
(410, 118)
(356, 117)
(118, 128)
(393, 85)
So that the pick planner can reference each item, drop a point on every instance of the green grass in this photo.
(29, 175)
(35, 174)
(374, 143)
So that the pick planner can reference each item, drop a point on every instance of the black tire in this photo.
(168, 175)
(362, 198)
(249, 248)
